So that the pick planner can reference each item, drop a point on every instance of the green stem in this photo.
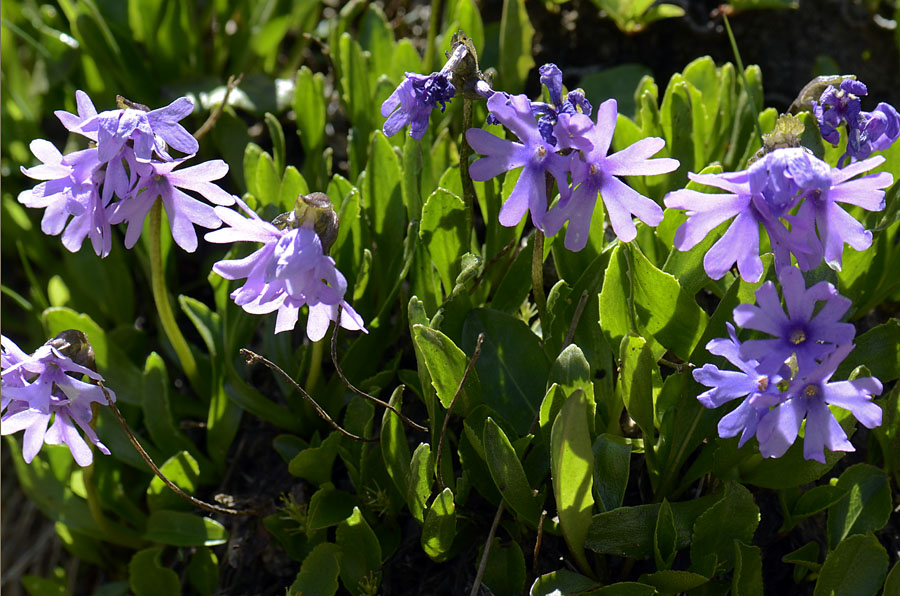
(112, 532)
(467, 184)
(433, 22)
(740, 65)
(315, 364)
(537, 279)
(161, 298)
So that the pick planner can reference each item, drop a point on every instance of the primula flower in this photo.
(45, 387)
(289, 271)
(766, 193)
(760, 389)
(416, 97)
(534, 155)
(596, 172)
(86, 112)
(157, 179)
(71, 189)
(809, 396)
(808, 334)
(575, 102)
(150, 131)
(866, 131)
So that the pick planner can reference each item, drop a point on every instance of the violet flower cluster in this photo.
(413, 100)
(565, 143)
(289, 271)
(121, 175)
(810, 335)
(866, 131)
(45, 389)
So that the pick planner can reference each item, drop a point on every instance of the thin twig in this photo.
(575, 318)
(146, 457)
(462, 381)
(487, 551)
(214, 116)
(537, 279)
(356, 390)
(251, 357)
(537, 542)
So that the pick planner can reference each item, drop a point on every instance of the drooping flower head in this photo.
(413, 100)
(534, 154)
(759, 389)
(593, 172)
(808, 397)
(574, 102)
(47, 387)
(805, 332)
(866, 131)
(289, 271)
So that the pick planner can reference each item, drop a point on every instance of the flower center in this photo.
(594, 170)
(798, 337)
(541, 151)
(763, 384)
(811, 391)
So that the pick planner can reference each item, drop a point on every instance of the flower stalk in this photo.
(161, 298)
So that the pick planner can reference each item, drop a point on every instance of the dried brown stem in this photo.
(356, 390)
(251, 357)
(146, 457)
(575, 318)
(214, 116)
(440, 446)
(487, 551)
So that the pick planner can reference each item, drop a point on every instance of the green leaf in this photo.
(663, 309)
(252, 154)
(394, 447)
(636, 381)
(319, 572)
(866, 506)
(309, 106)
(157, 411)
(292, 185)
(628, 531)
(612, 464)
(421, 472)
(857, 567)
(879, 349)
(804, 559)
(572, 467)
(616, 318)
(382, 201)
(819, 498)
(357, 97)
(361, 551)
(665, 537)
(747, 579)
(328, 507)
(443, 233)
(184, 529)
(508, 475)
(184, 472)
(439, 529)
(505, 570)
(516, 34)
(276, 133)
(572, 371)
(268, 181)
(892, 583)
(446, 365)
(672, 581)
(512, 368)
(148, 577)
(203, 571)
(734, 517)
(563, 581)
(314, 463)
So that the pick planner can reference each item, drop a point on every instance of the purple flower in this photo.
(534, 154)
(804, 331)
(575, 102)
(86, 112)
(809, 396)
(416, 97)
(157, 179)
(826, 226)
(149, 131)
(866, 131)
(596, 172)
(765, 194)
(71, 189)
(760, 389)
(43, 387)
(289, 271)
